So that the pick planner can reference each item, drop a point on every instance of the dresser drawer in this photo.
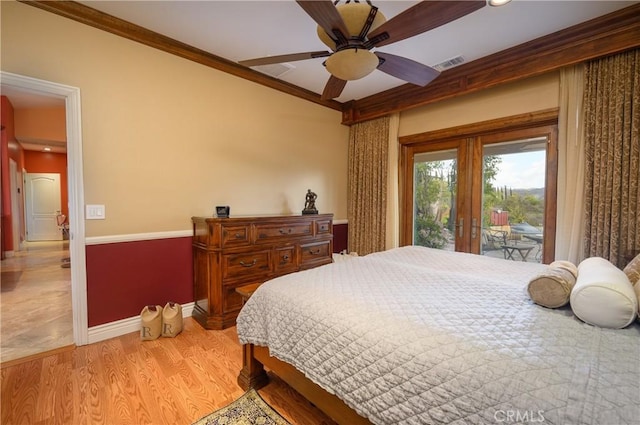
(324, 227)
(246, 264)
(235, 236)
(286, 259)
(313, 253)
(266, 233)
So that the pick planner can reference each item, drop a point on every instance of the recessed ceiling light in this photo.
(498, 2)
(47, 149)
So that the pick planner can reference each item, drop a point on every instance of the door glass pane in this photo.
(434, 199)
(513, 199)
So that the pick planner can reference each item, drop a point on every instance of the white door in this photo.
(43, 205)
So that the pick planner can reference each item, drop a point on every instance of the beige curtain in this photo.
(612, 173)
(367, 204)
(571, 164)
(393, 186)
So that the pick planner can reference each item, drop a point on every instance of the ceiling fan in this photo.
(352, 29)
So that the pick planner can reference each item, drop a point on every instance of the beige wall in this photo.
(533, 94)
(165, 138)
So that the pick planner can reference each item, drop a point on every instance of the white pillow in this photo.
(603, 295)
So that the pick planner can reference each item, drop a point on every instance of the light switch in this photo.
(95, 212)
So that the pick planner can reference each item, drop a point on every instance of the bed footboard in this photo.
(253, 375)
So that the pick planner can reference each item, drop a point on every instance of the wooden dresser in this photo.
(236, 251)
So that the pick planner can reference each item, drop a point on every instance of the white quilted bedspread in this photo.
(422, 336)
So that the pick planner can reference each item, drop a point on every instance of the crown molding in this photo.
(606, 35)
(609, 34)
(103, 21)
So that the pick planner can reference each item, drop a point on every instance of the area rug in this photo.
(250, 409)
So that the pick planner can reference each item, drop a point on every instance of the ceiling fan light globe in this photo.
(354, 16)
(498, 3)
(352, 64)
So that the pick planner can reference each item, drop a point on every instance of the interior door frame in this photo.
(71, 95)
(523, 123)
(16, 190)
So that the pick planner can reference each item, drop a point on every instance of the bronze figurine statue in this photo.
(310, 203)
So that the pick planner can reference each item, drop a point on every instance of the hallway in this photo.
(35, 303)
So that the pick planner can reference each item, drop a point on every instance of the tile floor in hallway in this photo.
(35, 302)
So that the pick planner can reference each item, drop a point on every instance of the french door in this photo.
(491, 194)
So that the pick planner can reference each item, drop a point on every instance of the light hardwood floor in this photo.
(128, 381)
(35, 303)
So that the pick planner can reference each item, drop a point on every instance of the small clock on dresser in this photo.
(222, 212)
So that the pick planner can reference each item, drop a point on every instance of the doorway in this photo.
(492, 193)
(76, 244)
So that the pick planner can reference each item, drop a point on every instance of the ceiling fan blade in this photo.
(406, 69)
(326, 15)
(333, 88)
(420, 18)
(285, 58)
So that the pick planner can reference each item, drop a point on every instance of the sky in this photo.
(521, 170)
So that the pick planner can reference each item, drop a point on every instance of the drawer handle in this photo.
(282, 231)
(253, 263)
(239, 235)
(316, 252)
(285, 257)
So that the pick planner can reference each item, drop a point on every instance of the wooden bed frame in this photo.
(253, 375)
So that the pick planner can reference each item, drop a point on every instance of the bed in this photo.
(419, 336)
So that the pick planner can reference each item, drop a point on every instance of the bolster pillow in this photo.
(636, 288)
(552, 288)
(603, 295)
(567, 265)
(632, 270)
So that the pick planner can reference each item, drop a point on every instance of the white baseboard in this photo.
(125, 326)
